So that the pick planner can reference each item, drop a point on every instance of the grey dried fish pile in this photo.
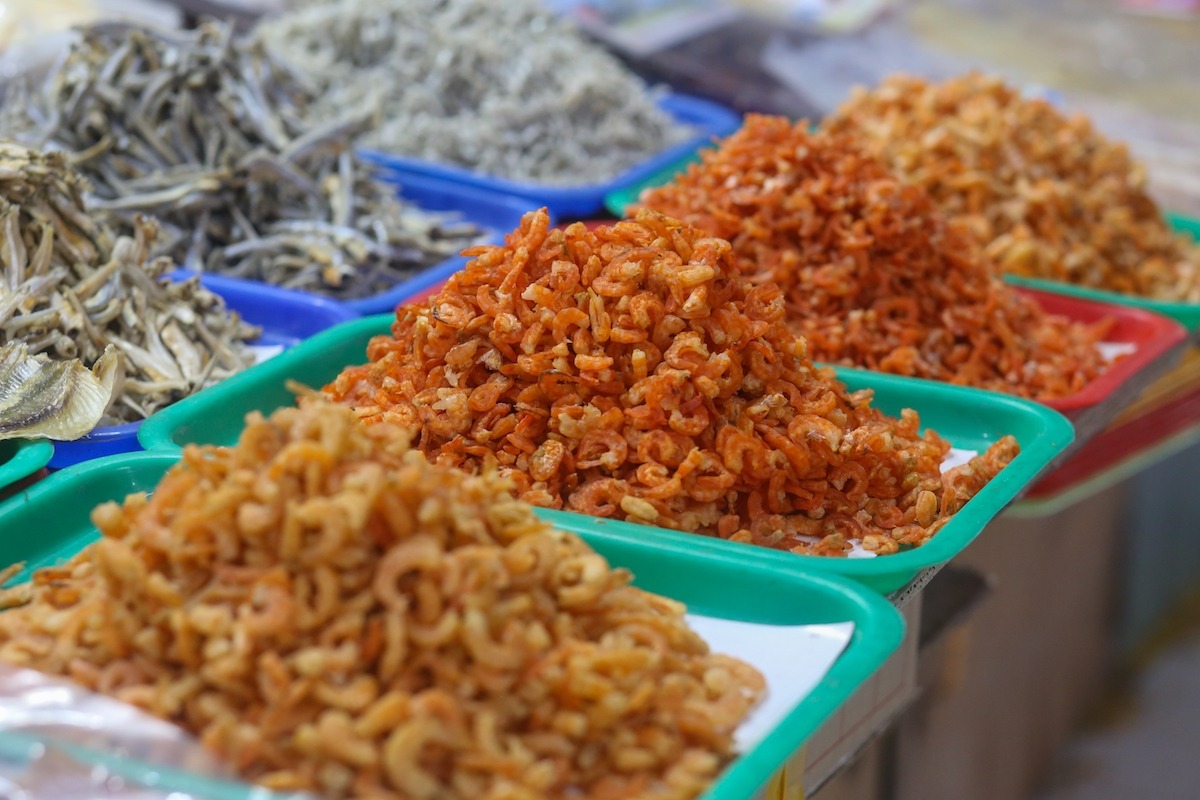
(508, 89)
(72, 289)
(208, 133)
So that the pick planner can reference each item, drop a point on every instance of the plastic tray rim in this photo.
(29, 456)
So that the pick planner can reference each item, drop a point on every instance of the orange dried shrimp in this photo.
(331, 613)
(630, 372)
(871, 275)
(1047, 195)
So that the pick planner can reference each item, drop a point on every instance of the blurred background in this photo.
(1059, 658)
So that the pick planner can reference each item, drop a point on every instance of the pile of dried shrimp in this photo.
(1047, 195)
(871, 274)
(329, 612)
(631, 372)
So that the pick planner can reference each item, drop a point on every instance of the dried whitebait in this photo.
(207, 132)
(71, 289)
(507, 89)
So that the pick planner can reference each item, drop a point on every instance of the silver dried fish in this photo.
(73, 289)
(508, 89)
(213, 136)
(45, 399)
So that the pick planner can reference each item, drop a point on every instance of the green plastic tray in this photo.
(713, 581)
(970, 418)
(617, 201)
(1186, 314)
(20, 458)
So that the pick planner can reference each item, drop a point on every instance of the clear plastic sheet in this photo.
(61, 742)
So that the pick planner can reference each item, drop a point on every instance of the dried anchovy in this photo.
(71, 288)
(209, 133)
(508, 89)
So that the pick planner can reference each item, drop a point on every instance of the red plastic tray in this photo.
(1160, 342)
(1154, 335)
(1116, 445)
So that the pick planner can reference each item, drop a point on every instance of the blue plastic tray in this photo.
(578, 201)
(286, 317)
(497, 214)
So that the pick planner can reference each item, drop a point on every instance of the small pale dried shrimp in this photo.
(630, 372)
(871, 274)
(1046, 194)
(328, 612)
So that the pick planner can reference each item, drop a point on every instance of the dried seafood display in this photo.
(871, 274)
(631, 372)
(63, 400)
(1047, 195)
(71, 289)
(329, 612)
(507, 89)
(208, 133)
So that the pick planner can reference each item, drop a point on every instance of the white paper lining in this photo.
(1111, 351)
(264, 352)
(792, 658)
(957, 457)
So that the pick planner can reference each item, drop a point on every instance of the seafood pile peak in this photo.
(631, 371)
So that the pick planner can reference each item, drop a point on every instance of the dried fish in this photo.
(83, 297)
(44, 399)
(207, 132)
(508, 89)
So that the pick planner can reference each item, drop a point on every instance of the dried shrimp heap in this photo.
(630, 372)
(207, 132)
(329, 612)
(70, 288)
(1046, 194)
(871, 274)
(508, 89)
